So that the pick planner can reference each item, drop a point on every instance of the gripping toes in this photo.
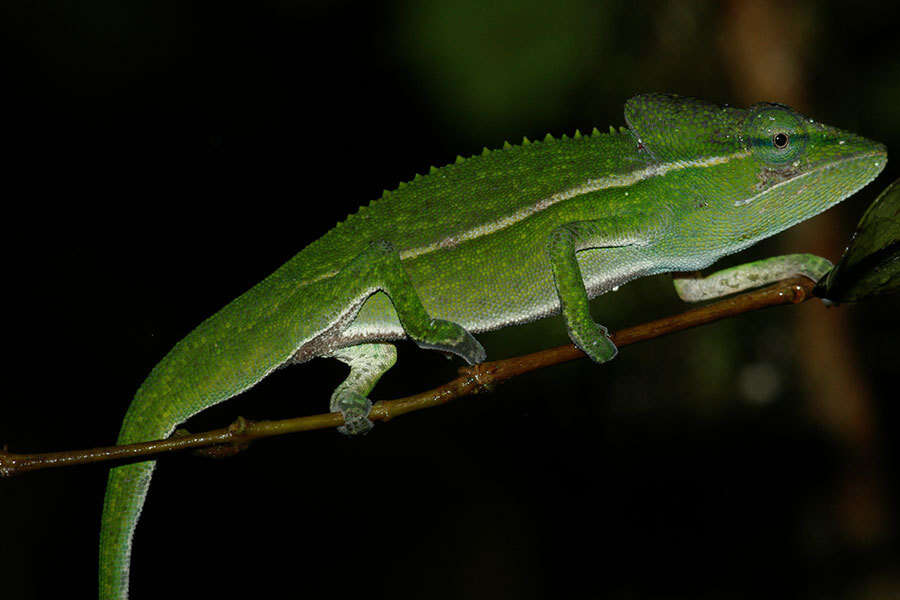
(447, 336)
(367, 362)
(593, 339)
(355, 409)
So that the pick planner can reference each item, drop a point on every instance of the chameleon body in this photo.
(502, 238)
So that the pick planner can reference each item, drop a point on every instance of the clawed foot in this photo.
(355, 409)
(597, 345)
(446, 336)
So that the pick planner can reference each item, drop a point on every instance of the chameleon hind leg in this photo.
(379, 268)
(367, 362)
(751, 275)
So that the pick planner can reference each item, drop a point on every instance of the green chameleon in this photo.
(503, 238)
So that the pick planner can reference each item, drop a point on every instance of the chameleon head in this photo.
(756, 171)
(799, 167)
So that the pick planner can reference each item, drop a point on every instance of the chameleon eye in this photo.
(775, 134)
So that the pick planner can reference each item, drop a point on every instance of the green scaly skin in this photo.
(498, 239)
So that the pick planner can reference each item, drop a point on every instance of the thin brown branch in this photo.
(471, 380)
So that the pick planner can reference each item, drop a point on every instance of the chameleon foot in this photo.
(446, 336)
(367, 363)
(355, 409)
(597, 345)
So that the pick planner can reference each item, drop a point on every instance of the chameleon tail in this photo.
(125, 494)
(126, 491)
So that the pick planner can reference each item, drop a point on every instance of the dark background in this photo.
(163, 156)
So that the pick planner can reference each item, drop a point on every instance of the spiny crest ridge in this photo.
(548, 139)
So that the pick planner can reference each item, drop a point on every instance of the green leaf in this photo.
(871, 265)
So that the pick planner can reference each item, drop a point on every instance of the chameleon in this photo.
(498, 239)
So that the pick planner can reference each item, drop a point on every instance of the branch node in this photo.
(236, 445)
(481, 375)
(799, 294)
(239, 426)
(7, 463)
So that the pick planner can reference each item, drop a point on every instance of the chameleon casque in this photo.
(509, 236)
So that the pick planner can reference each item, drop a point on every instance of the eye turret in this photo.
(775, 134)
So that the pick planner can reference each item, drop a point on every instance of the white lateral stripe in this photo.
(592, 185)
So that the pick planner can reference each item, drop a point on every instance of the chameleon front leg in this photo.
(367, 362)
(590, 337)
(751, 275)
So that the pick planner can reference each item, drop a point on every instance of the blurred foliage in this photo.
(871, 264)
(503, 62)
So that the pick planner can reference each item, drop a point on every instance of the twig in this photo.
(471, 380)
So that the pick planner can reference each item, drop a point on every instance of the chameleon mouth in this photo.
(834, 191)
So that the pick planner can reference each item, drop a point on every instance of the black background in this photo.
(162, 157)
